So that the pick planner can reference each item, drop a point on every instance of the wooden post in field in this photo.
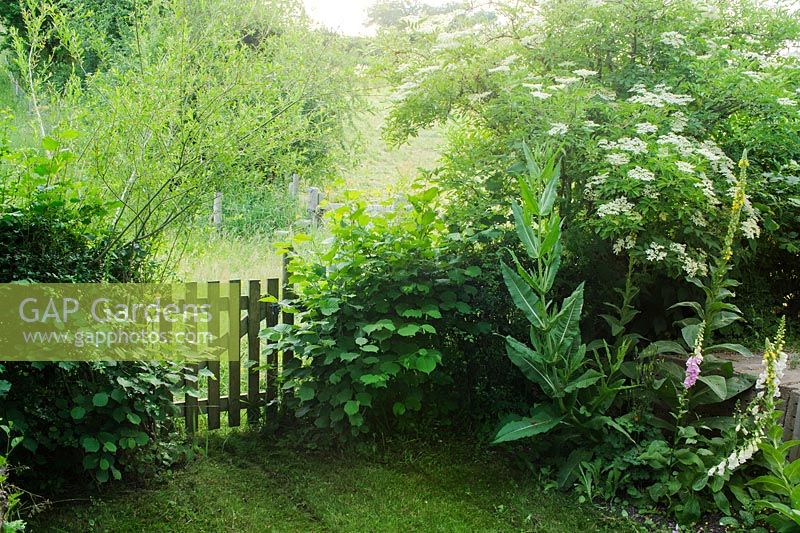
(314, 197)
(217, 213)
(294, 186)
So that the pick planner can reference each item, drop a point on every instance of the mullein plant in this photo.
(579, 389)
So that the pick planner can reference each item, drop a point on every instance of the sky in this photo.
(346, 16)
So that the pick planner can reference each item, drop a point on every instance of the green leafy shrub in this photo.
(780, 488)
(69, 418)
(102, 419)
(372, 310)
(651, 102)
(10, 496)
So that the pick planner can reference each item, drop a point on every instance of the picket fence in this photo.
(249, 381)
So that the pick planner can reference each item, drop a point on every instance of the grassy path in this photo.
(246, 484)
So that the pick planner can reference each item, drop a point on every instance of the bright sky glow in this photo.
(346, 16)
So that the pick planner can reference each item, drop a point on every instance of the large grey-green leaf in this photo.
(587, 379)
(566, 324)
(541, 421)
(548, 197)
(716, 384)
(525, 232)
(522, 295)
(532, 364)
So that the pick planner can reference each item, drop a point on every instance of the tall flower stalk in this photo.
(758, 414)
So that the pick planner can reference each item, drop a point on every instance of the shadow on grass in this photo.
(249, 483)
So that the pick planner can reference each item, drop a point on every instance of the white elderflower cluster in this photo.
(679, 122)
(643, 128)
(699, 220)
(754, 75)
(592, 183)
(691, 266)
(404, 90)
(429, 69)
(655, 252)
(673, 39)
(558, 128)
(565, 81)
(480, 96)
(499, 68)
(684, 146)
(641, 174)
(541, 95)
(683, 166)
(719, 161)
(658, 97)
(584, 73)
(624, 244)
(590, 124)
(707, 187)
(618, 159)
(616, 207)
(633, 145)
(651, 192)
(787, 102)
(750, 226)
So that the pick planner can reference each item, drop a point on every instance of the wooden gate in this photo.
(245, 381)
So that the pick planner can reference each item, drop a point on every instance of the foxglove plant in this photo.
(759, 412)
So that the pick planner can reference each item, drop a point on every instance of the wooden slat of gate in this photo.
(273, 289)
(191, 411)
(213, 365)
(253, 350)
(234, 356)
(288, 318)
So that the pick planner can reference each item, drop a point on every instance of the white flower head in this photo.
(558, 128)
(541, 95)
(643, 128)
(787, 102)
(641, 174)
(618, 206)
(583, 73)
(673, 39)
(655, 252)
(618, 159)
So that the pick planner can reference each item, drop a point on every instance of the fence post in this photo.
(217, 212)
(294, 186)
(253, 350)
(234, 351)
(314, 197)
(213, 366)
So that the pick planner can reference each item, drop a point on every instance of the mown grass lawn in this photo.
(247, 484)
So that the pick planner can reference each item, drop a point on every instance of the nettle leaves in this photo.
(371, 311)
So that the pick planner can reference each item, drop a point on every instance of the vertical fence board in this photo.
(234, 356)
(213, 366)
(271, 395)
(287, 318)
(253, 350)
(191, 410)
